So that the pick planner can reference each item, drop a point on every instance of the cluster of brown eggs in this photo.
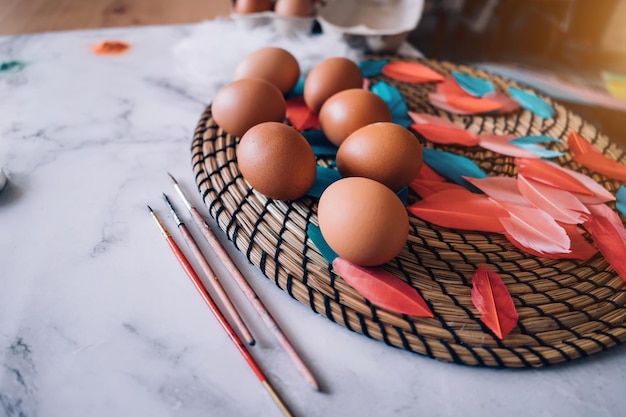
(360, 216)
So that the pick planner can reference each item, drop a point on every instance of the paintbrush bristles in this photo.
(177, 219)
(180, 192)
(158, 222)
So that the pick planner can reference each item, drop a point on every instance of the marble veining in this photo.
(96, 316)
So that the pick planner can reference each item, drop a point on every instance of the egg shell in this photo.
(294, 8)
(247, 102)
(275, 65)
(349, 110)
(277, 161)
(329, 77)
(252, 6)
(363, 221)
(384, 151)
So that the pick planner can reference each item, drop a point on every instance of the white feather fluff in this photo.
(209, 55)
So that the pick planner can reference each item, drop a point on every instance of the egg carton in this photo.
(374, 25)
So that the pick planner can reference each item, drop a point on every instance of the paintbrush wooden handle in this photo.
(231, 310)
(256, 302)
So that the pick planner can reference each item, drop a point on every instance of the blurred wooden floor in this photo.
(31, 16)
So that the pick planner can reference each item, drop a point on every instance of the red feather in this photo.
(602, 165)
(609, 237)
(586, 155)
(560, 204)
(411, 72)
(300, 116)
(508, 104)
(456, 103)
(599, 193)
(427, 173)
(383, 288)
(493, 301)
(450, 86)
(602, 210)
(425, 188)
(446, 135)
(548, 173)
(579, 145)
(460, 209)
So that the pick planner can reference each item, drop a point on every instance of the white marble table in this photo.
(98, 319)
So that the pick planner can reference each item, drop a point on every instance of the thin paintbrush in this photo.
(246, 288)
(219, 316)
(215, 283)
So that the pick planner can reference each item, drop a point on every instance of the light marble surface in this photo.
(98, 319)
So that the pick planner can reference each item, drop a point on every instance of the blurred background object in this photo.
(573, 50)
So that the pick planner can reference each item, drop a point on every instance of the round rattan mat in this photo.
(567, 308)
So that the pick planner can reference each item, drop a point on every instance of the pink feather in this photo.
(535, 229)
(502, 144)
(560, 204)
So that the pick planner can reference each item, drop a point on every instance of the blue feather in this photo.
(395, 101)
(454, 167)
(620, 197)
(473, 85)
(372, 67)
(315, 234)
(532, 103)
(323, 178)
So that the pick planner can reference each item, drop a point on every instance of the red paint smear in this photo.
(111, 48)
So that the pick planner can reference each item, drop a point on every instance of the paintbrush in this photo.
(195, 279)
(208, 271)
(246, 288)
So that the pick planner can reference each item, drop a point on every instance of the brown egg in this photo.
(363, 221)
(244, 103)
(275, 65)
(252, 6)
(329, 77)
(277, 161)
(349, 110)
(385, 152)
(294, 8)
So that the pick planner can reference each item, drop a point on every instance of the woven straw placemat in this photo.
(567, 308)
